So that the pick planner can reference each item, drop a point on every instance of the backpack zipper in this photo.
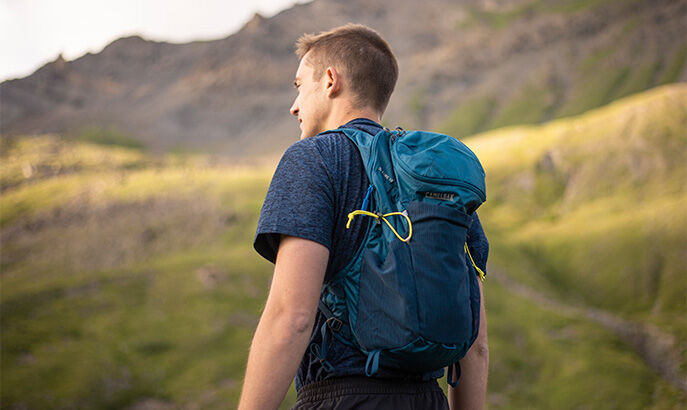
(442, 181)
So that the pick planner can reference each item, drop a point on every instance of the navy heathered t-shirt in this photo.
(318, 181)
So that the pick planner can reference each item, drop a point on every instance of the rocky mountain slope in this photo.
(466, 66)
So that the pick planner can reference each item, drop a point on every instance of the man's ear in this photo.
(332, 82)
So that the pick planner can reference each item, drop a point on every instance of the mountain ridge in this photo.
(511, 60)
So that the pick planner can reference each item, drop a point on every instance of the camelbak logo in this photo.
(386, 176)
(444, 196)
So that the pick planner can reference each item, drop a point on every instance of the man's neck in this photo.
(338, 118)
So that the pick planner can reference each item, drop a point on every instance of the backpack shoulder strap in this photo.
(362, 140)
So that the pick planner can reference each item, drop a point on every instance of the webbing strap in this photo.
(325, 310)
(372, 364)
(449, 377)
(321, 351)
(332, 321)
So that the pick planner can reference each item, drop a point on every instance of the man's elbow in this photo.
(302, 322)
(480, 349)
(291, 321)
(477, 356)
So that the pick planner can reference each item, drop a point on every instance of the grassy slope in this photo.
(597, 204)
(574, 181)
(81, 333)
(150, 326)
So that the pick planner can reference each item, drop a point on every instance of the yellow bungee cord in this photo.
(383, 218)
(410, 230)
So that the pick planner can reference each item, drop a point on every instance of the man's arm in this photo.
(286, 323)
(471, 392)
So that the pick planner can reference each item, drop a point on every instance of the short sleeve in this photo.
(478, 244)
(299, 201)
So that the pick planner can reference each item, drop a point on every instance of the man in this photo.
(345, 78)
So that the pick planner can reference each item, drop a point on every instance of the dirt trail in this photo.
(655, 347)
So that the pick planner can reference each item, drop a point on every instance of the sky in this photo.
(34, 32)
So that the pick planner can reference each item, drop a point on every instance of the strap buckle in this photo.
(396, 133)
(334, 324)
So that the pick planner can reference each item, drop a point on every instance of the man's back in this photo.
(317, 183)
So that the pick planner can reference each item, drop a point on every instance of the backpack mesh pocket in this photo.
(422, 288)
(387, 313)
(441, 272)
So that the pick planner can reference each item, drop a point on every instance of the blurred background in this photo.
(134, 164)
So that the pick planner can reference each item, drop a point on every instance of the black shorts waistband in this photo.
(340, 386)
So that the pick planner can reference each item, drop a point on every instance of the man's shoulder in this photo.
(327, 138)
(324, 146)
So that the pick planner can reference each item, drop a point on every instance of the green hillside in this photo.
(597, 192)
(129, 280)
(125, 278)
(592, 210)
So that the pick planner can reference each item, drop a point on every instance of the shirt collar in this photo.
(360, 121)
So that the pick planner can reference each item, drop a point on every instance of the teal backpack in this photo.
(409, 299)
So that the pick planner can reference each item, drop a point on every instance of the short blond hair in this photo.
(361, 53)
